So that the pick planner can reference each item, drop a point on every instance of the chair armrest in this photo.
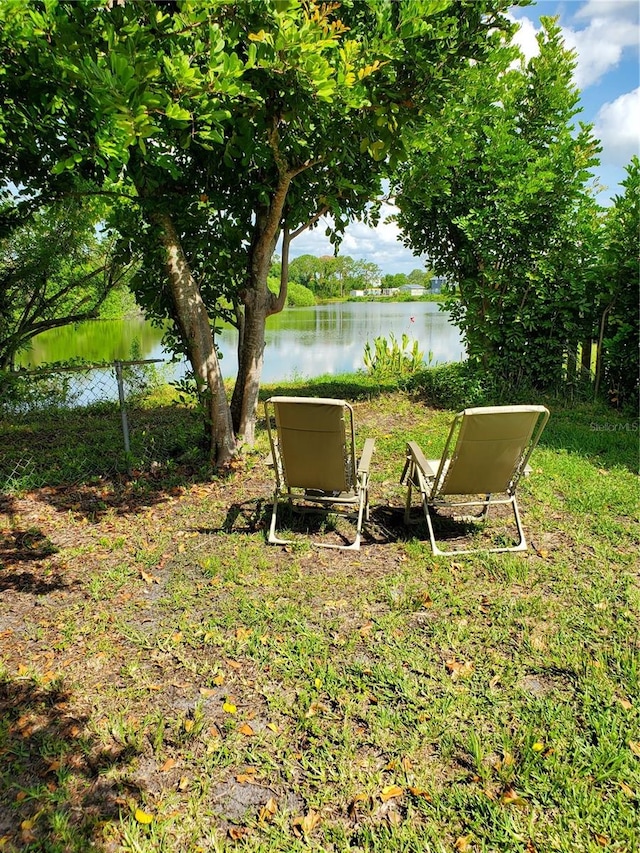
(420, 459)
(367, 453)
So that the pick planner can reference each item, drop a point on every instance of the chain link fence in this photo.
(74, 424)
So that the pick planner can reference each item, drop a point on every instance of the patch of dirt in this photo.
(541, 685)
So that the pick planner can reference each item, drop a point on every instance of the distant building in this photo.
(412, 289)
(437, 283)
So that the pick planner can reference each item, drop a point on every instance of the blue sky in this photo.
(605, 35)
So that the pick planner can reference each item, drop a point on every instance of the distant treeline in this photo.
(312, 279)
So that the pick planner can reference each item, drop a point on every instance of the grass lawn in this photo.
(169, 682)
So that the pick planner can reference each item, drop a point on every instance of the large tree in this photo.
(55, 270)
(499, 199)
(332, 277)
(222, 127)
(616, 281)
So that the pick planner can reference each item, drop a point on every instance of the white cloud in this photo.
(627, 9)
(612, 27)
(599, 47)
(379, 245)
(525, 38)
(617, 126)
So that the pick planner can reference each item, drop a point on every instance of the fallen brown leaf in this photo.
(459, 669)
(307, 823)
(391, 791)
(628, 791)
(511, 797)
(420, 792)
(148, 578)
(353, 805)
(393, 818)
(268, 810)
(237, 833)
(314, 709)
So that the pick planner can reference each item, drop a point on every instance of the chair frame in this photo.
(429, 478)
(354, 502)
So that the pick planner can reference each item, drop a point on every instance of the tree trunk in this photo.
(259, 303)
(244, 402)
(195, 327)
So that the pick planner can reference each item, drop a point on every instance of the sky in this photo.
(606, 36)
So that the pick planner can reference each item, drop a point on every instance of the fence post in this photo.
(123, 411)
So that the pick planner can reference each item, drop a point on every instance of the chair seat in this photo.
(331, 497)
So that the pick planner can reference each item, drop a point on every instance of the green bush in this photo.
(450, 386)
(298, 296)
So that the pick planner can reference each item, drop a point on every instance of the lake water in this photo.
(301, 342)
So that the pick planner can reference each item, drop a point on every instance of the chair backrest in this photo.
(315, 448)
(492, 447)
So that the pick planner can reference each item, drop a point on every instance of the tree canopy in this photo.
(333, 277)
(501, 204)
(221, 127)
(616, 277)
(54, 271)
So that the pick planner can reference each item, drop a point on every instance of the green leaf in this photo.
(176, 112)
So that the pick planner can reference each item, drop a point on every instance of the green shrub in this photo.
(119, 303)
(450, 386)
(298, 296)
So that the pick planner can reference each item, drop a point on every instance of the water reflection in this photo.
(330, 339)
(302, 342)
(95, 341)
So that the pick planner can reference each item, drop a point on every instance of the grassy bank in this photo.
(171, 683)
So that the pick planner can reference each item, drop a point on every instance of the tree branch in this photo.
(311, 222)
(280, 301)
